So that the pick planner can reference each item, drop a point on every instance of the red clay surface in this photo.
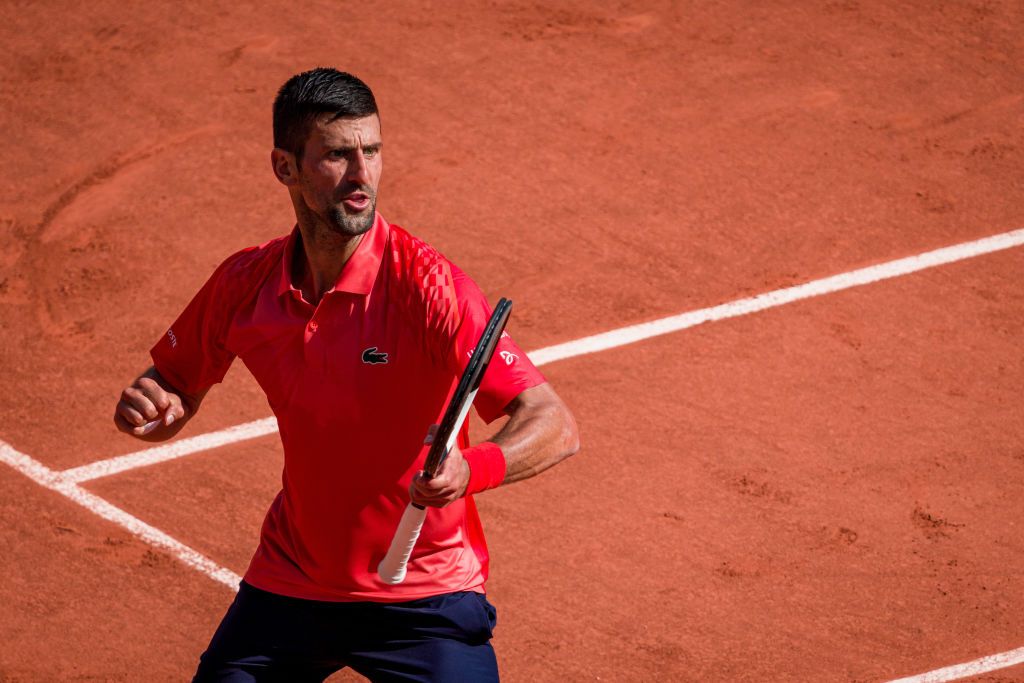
(825, 491)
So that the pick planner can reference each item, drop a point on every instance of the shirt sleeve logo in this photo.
(172, 338)
(508, 357)
(372, 357)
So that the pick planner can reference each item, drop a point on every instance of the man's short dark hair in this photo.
(311, 93)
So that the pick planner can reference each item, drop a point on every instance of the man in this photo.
(357, 333)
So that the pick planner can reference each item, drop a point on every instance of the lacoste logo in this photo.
(174, 340)
(372, 357)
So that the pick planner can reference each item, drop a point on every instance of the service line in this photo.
(968, 669)
(170, 451)
(600, 342)
(779, 297)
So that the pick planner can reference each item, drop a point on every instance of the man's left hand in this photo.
(447, 486)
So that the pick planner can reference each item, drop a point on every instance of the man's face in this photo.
(340, 171)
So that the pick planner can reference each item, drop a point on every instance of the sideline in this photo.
(67, 482)
(55, 481)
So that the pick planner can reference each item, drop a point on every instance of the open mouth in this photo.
(357, 201)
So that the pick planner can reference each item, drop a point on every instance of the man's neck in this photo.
(319, 259)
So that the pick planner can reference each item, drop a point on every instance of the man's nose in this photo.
(358, 172)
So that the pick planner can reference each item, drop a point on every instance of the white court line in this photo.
(175, 449)
(835, 283)
(55, 481)
(601, 342)
(968, 669)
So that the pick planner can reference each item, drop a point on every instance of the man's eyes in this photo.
(341, 153)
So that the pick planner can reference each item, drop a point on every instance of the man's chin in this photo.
(352, 224)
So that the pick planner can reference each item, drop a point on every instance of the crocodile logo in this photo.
(372, 357)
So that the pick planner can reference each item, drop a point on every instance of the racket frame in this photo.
(392, 568)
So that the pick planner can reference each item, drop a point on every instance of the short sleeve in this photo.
(192, 355)
(509, 373)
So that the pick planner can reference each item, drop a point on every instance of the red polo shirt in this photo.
(354, 382)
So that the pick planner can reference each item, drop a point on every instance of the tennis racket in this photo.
(393, 567)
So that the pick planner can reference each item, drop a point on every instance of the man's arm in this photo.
(150, 397)
(540, 433)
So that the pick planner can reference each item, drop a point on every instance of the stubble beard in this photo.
(351, 225)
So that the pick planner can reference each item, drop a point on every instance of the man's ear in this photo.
(285, 166)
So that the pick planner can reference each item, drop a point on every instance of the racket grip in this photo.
(392, 568)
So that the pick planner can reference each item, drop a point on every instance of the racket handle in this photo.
(392, 567)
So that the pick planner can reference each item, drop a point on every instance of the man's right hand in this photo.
(150, 398)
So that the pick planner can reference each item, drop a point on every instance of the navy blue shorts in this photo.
(268, 637)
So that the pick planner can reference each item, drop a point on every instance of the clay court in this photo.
(820, 484)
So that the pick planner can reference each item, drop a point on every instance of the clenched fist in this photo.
(149, 407)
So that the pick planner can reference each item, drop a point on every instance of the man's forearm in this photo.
(540, 433)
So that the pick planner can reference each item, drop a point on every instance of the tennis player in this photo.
(357, 332)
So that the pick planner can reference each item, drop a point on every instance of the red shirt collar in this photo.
(360, 271)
